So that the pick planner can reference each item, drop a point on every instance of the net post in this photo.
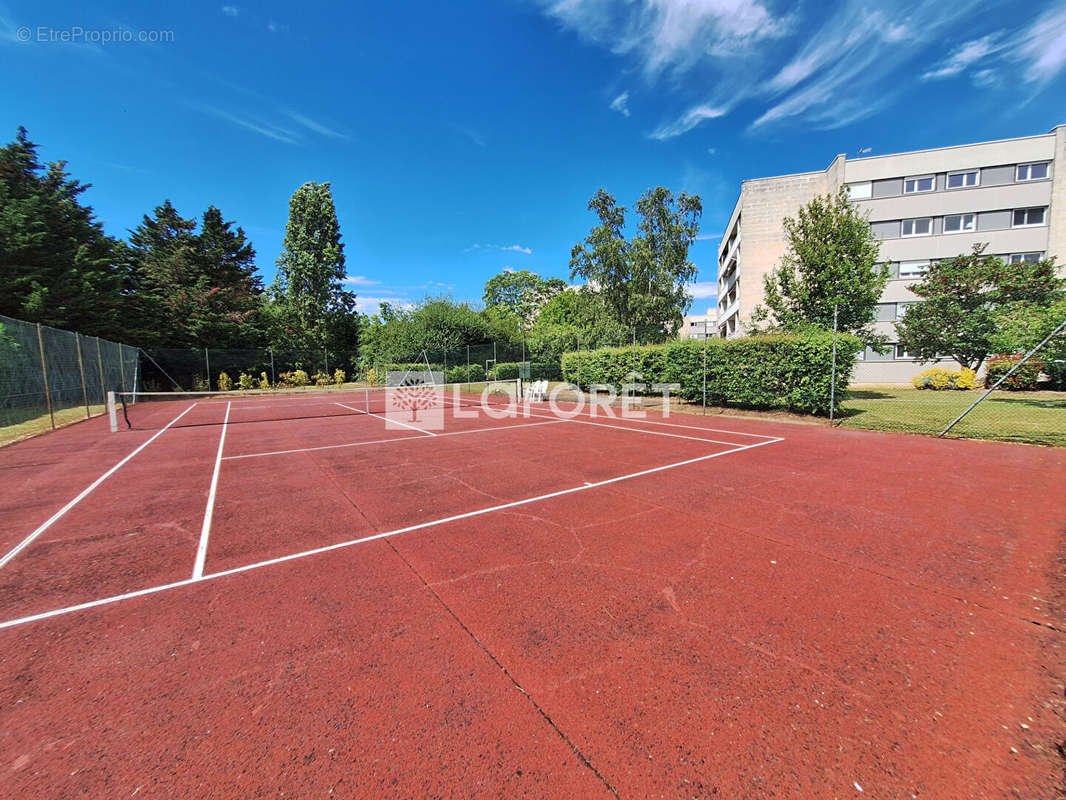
(81, 372)
(520, 390)
(112, 414)
(44, 373)
(100, 366)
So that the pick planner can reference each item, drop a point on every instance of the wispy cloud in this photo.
(471, 135)
(509, 248)
(708, 237)
(372, 305)
(620, 104)
(964, 56)
(250, 123)
(231, 11)
(703, 290)
(360, 280)
(315, 126)
(1042, 46)
(689, 120)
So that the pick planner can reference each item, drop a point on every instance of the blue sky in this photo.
(465, 138)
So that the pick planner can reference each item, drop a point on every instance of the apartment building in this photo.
(924, 206)
(699, 326)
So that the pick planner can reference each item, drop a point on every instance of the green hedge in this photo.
(764, 372)
(1024, 378)
(509, 370)
(462, 374)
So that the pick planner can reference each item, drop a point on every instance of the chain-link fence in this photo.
(51, 377)
(201, 369)
(1014, 397)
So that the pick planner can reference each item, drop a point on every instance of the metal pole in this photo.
(468, 362)
(833, 370)
(273, 380)
(325, 358)
(705, 367)
(1010, 372)
(100, 366)
(207, 364)
(81, 371)
(121, 368)
(44, 373)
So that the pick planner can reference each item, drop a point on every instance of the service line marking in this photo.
(351, 543)
(86, 492)
(390, 441)
(387, 419)
(209, 511)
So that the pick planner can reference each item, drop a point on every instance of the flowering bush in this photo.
(245, 381)
(321, 379)
(939, 378)
(225, 383)
(339, 377)
(264, 381)
(295, 378)
(1024, 378)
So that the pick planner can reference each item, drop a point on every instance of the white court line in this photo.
(85, 492)
(209, 512)
(387, 419)
(390, 441)
(642, 430)
(341, 545)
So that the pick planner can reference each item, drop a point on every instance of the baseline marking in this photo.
(389, 441)
(387, 419)
(341, 545)
(85, 492)
(209, 512)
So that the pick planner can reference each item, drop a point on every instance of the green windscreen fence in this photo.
(49, 377)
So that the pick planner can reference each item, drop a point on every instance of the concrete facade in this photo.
(923, 206)
(699, 326)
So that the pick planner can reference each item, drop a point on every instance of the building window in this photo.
(902, 353)
(860, 191)
(922, 226)
(1024, 258)
(912, 269)
(959, 223)
(923, 183)
(1026, 217)
(962, 180)
(1032, 172)
(860, 356)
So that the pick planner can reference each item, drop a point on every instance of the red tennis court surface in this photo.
(527, 606)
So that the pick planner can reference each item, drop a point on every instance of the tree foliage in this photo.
(438, 325)
(972, 304)
(520, 293)
(642, 280)
(57, 266)
(310, 306)
(831, 260)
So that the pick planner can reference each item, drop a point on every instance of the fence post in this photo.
(468, 363)
(207, 364)
(121, 368)
(273, 380)
(705, 367)
(325, 359)
(44, 373)
(833, 370)
(100, 366)
(81, 371)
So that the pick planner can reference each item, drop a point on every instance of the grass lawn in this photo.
(26, 428)
(1034, 417)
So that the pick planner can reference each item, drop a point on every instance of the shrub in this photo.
(1023, 379)
(371, 376)
(462, 374)
(245, 381)
(939, 378)
(508, 370)
(264, 381)
(225, 383)
(339, 377)
(199, 384)
(776, 371)
(322, 379)
(295, 378)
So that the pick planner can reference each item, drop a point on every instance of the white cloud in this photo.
(703, 290)
(620, 104)
(711, 151)
(986, 78)
(250, 123)
(231, 11)
(708, 237)
(510, 248)
(689, 120)
(371, 305)
(1043, 46)
(316, 127)
(360, 280)
(964, 56)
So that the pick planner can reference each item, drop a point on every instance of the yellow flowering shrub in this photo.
(939, 379)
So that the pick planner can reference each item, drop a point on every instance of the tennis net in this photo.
(153, 410)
